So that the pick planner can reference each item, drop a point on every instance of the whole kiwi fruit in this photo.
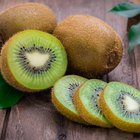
(33, 60)
(26, 16)
(93, 47)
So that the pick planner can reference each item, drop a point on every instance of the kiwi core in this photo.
(130, 104)
(37, 59)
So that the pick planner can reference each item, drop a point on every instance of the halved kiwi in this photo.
(33, 60)
(26, 16)
(120, 103)
(86, 102)
(62, 95)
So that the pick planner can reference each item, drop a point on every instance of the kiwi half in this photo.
(62, 95)
(86, 102)
(120, 103)
(33, 60)
(26, 16)
(91, 40)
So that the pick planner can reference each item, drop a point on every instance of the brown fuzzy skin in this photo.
(93, 47)
(26, 16)
(86, 115)
(116, 121)
(63, 110)
(7, 75)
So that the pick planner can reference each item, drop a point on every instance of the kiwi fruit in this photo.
(93, 47)
(120, 103)
(33, 60)
(62, 95)
(86, 102)
(26, 16)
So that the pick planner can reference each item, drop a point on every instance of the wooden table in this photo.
(35, 118)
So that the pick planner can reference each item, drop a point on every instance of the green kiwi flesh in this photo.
(121, 105)
(62, 95)
(33, 60)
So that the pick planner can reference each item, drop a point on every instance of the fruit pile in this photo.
(36, 54)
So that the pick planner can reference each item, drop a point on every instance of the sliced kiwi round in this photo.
(26, 16)
(121, 105)
(33, 60)
(62, 95)
(86, 102)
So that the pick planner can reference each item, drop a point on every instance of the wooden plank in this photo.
(3, 122)
(34, 118)
(135, 1)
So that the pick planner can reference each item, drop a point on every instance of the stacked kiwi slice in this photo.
(62, 95)
(98, 103)
(86, 101)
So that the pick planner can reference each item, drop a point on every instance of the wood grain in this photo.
(35, 118)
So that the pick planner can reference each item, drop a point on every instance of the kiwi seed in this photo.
(33, 60)
(86, 102)
(62, 95)
(120, 103)
(26, 16)
(93, 47)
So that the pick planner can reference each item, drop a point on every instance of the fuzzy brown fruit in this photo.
(26, 16)
(93, 47)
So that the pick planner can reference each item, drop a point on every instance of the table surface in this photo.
(35, 118)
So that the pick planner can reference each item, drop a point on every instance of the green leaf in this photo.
(8, 95)
(134, 37)
(126, 9)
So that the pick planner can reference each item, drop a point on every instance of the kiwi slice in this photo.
(89, 38)
(121, 105)
(33, 60)
(86, 102)
(26, 16)
(62, 95)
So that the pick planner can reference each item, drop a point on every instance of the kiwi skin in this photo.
(91, 40)
(70, 115)
(26, 16)
(85, 114)
(116, 121)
